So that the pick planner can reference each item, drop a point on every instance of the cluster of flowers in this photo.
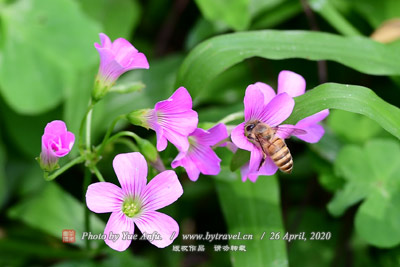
(175, 121)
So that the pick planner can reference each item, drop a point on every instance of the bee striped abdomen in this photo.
(280, 154)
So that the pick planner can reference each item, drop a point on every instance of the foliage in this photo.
(347, 184)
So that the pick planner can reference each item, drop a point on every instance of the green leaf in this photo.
(372, 175)
(332, 16)
(376, 12)
(53, 210)
(29, 142)
(45, 43)
(253, 208)
(239, 159)
(356, 99)
(352, 127)
(118, 17)
(3, 181)
(237, 16)
(308, 219)
(212, 57)
(277, 14)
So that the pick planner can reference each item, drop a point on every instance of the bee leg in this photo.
(262, 161)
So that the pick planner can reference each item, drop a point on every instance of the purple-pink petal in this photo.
(121, 47)
(269, 168)
(239, 139)
(153, 222)
(253, 103)
(267, 91)
(117, 58)
(313, 119)
(176, 137)
(314, 130)
(56, 140)
(104, 41)
(278, 110)
(205, 160)
(139, 61)
(255, 159)
(211, 136)
(131, 170)
(104, 197)
(161, 139)
(314, 133)
(190, 167)
(179, 101)
(161, 191)
(117, 224)
(291, 83)
(174, 120)
(56, 127)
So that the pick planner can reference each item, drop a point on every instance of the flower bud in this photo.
(56, 143)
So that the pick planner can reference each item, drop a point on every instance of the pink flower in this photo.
(262, 104)
(136, 203)
(115, 59)
(172, 119)
(200, 158)
(56, 143)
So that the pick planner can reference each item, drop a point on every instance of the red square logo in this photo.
(68, 236)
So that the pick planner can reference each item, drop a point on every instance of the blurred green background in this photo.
(347, 184)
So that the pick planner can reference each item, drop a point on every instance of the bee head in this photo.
(248, 130)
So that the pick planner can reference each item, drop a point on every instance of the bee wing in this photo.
(284, 131)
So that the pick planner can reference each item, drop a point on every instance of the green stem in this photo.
(97, 173)
(63, 168)
(116, 136)
(88, 128)
(80, 142)
(86, 182)
(128, 143)
(232, 117)
(108, 133)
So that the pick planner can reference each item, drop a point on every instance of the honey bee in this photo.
(275, 147)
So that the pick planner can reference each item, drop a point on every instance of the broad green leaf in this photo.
(31, 181)
(372, 174)
(356, 99)
(202, 30)
(212, 57)
(328, 147)
(45, 43)
(27, 141)
(53, 210)
(326, 177)
(20, 251)
(334, 17)
(3, 180)
(237, 16)
(308, 219)
(260, 6)
(118, 17)
(277, 14)
(352, 127)
(376, 12)
(239, 159)
(253, 208)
